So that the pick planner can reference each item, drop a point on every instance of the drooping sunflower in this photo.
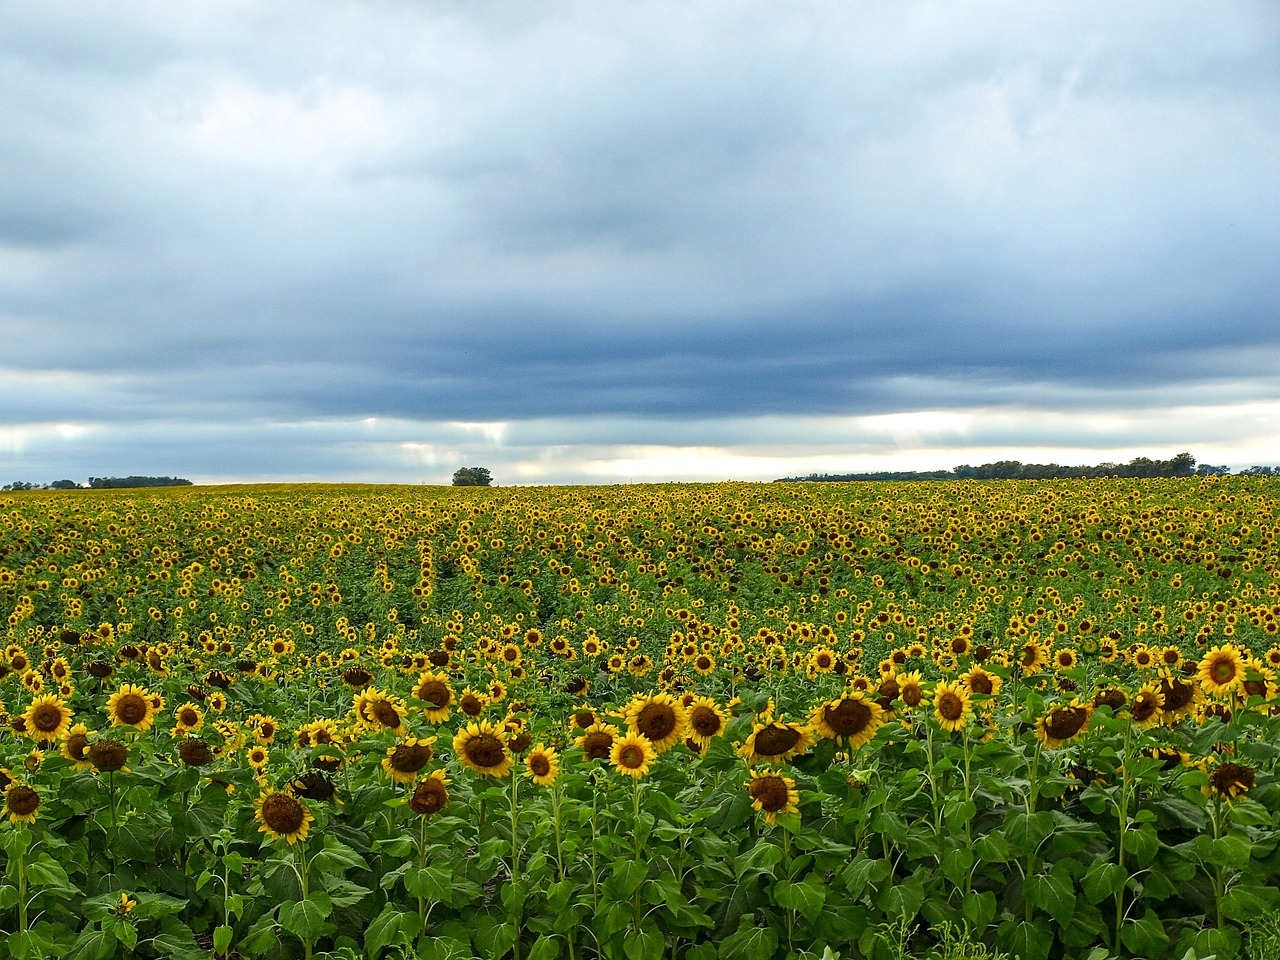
(195, 751)
(773, 794)
(1181, 696)
(852, 719)
(132, 706)
(315, 785)
(431, 795)
(776, 741)
(1222, 671)
(597, 741)
(542, 765)
(658, 717)
(282, 816)
(706, 719)
(21, 803)
(108, 756)
(48, 718)
(434, 688)
(482, 748)
(632, 755)
(1230, 780)
(405, 760)
(1062, 723)
(951, 705)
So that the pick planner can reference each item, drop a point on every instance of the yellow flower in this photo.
(773, 794)
(132, 706)
(283, 816)
(482, 748)
(952, 706)
(542, 765)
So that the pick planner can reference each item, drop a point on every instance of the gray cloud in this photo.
(266, 214)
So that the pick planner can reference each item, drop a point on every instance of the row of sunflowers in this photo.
(739, 721)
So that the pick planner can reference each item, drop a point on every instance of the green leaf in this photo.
(806, 897)
(46, 872)
(344, 893)
(979, 910)
(392, 925)
(1027, 941)
(305, 919)
(336, 857)
(956, 863)
(992, 848)
(1247, 904)
(547, 948)
(222, 935)
(902, 900)
(1230, 851)
(1102, 880)
(93, 944)
(124, 931)
(1026, 831)
(431, 882)
(1052, 894)
(626, 879)
(1143, 843)
(8, 896)
(760, 858)
(749, 942)
(177, 941)
(647, 944)
(1145, 937)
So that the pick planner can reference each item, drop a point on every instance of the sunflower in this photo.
(853, 719)
(981, 682)
(433, 688)
(597, 741)
(194, 751)
(75, 747)
(1147, 705)
(431, 795)
(282, 816)
(952, 706)
(911, 689)
(472, 702)
(314, 785)
(1032, 657)
(706, 719)
(542, 765)
(20, 803)
(1063, 723)
(132, 706)
(318, 733)
(1221, 671)
(1181, 697)
(773, 794)
(378, 710)
(48, 718)
(776, 741)
(1230, 780)
(406, 759)
(582, 718)
(258, 757)
(481, 747)
(658, 717)
(108, 756)
(189, 718)
(632, 755)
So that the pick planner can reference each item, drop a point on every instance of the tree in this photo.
(472, 477)
(64, 485)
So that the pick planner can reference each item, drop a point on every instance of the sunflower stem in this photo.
(635, 834)
(22, 888)
(1122, 824)
(786, 866)
(515, 854)
(1219, 874)
(302, 869)
(422, 863)
(1033, 800)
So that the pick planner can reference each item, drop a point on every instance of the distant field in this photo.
(1031, 718)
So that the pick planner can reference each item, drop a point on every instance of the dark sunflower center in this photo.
(1177, 693)
(1144, 706)
(195, 752)
(47, 718)
(435, 692)
(584, 718)
(981, 683)
(314, 786)
(596, 746)
(656, 721)
(1255, 688)
(429, 797)
(705, 721)
(386, 714)
(775, 740)
(485, 751)
(539, 765)
(131, 709)
(283, 813)
(848, 717)
(950, 706)
(1223, 670)
(188, 717)
(1065, 723)
(1231, 779)
(22, 800)
(77, 744)
(770, 792)
(108, 756)
(472, 706)
(410, 758)
(912, 694)
(631, 757)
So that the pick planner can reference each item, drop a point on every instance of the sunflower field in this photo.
(991, 719)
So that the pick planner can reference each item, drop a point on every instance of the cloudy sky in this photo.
(606, 241)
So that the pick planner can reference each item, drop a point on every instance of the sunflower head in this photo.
(108, 756)
(659, 718)
(132, 706)
(282, 816)
(20, 803)
(431, 795)
(48, 718)
(542, 765)
(632, 755)
(406, 759)
(773, 794)
(482, 748)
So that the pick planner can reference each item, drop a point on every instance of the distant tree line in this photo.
(100, 483)
(1182, 465)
